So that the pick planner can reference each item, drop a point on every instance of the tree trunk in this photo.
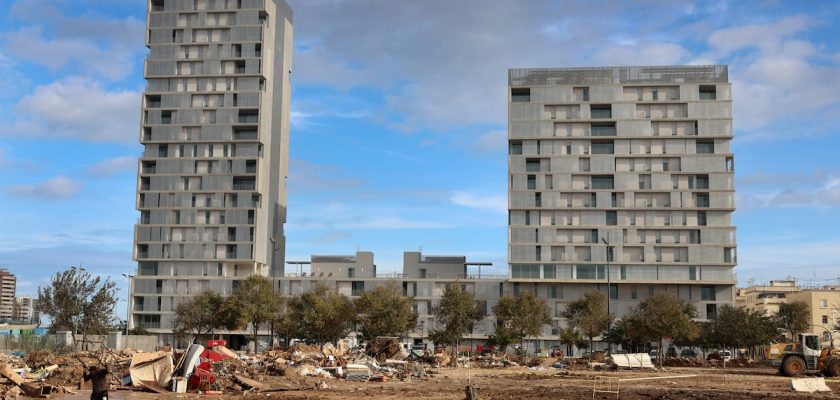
(661, 355)
(591, 339)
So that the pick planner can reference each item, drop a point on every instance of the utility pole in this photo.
(609, 286)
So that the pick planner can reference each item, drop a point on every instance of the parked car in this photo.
(724, 355)
(688, 353)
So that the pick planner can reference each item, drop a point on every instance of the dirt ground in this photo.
(522, 383)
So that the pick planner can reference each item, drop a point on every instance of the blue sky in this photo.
(399, 123)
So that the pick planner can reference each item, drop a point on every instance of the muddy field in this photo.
(522, 383)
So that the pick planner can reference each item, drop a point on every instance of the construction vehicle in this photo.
(805, 355)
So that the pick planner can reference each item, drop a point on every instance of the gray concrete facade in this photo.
(211, 186)
(632, 159)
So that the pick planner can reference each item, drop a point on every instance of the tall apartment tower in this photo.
(621, 180)
(8, 287)
(211, 186)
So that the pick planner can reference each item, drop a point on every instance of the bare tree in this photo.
(77, 301)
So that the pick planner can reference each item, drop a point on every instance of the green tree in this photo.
(200, 315)
(794, 317)
(589, 316)
(457, 311)
(571, 337)
(505, 334)
(79, 302)
(253, 303)
(319, 315)
(663, 316)
(384, 311)
(622, 333)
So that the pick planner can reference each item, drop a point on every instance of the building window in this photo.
(600, 111)
(823, 303)
(358, 287)
(711, 311)
(532, 165)
(525, 271)
(702, 181)
(603, 147)
(692, 273)
(707, 293)
(537, 199)
(602, 182)
(520, 95)
(701, 218)
(612, 218)
(602, 129)
(549, 272)
(623, 272)
(532, 182)
(613, 291)
(590, 271)
(705, 147)
(516, 148)
(825, 319)
(708, 92)
(702, 200)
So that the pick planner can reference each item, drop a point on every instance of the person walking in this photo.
(99, 379)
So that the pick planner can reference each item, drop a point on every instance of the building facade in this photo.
(824, 306)
(8, 287)
(422, 277)
(211, 187)
(26, 309)
(766, 299)
(621, 181)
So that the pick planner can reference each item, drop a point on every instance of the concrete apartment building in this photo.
(211, 187)
(766, 299)
(621, 180)
(8, 286)
(26, 309)
(824, 306)
(423, 277)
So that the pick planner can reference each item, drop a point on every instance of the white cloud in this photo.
(637, 54)
(79, 108)
(776, 75)
(767, 37)
(308, 177)
(75, 42)
(112, 166)
(492, 141)
(56, 188)
(496, 203)
(824, 193)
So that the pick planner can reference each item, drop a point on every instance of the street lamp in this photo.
(609, 286)
(128, 302)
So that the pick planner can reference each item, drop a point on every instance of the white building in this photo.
(215, 128)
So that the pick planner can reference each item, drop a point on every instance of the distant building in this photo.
(423, 277)
(8, 285)
(27, 309)
(767, 298)
(824, 304)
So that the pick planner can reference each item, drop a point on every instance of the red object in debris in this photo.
(214, 356)
(201, 374)
(217, 342)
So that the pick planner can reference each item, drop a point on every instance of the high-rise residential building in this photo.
(8, 285)
(621, 180)
(211, 186)
(26, 309)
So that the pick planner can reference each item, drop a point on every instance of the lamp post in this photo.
(128, 278)
(609, 286)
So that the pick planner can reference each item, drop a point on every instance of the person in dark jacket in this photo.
(99, 378)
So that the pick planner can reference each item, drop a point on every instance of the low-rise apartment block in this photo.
(824, 306)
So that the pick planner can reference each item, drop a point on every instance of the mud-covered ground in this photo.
(522, 383)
